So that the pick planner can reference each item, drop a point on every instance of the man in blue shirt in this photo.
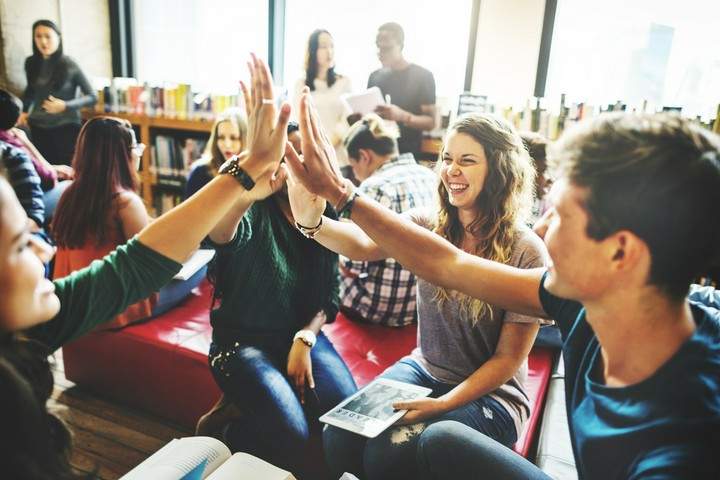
(636, 219)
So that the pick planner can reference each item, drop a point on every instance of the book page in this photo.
(249, 467)
(198, 260)
(180, 457)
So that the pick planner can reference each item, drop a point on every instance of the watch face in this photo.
(307, 337)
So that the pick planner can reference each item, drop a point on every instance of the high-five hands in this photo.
(307, 208)
(317, 170)
(267, 131)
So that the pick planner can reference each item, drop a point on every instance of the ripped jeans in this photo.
(393, 453)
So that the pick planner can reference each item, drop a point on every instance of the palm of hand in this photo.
(306, 207)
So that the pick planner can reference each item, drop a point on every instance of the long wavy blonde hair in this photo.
(503, 205)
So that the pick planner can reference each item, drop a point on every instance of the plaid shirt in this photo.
(383, 292)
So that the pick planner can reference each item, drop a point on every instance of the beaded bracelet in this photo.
(344, 212)
(308, 231)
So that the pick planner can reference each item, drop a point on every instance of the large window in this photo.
(436, 37)
(657, 53)
(205, 43)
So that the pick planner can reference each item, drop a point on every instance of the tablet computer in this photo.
(369, 411)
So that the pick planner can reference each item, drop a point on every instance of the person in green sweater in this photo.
(38, 316)
(274, 287)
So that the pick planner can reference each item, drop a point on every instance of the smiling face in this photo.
(47, 40)
(229, 141)
(27, 298)
(463, 172)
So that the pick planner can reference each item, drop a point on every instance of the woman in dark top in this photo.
(51, 105)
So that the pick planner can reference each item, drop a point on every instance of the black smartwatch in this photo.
(232, 168)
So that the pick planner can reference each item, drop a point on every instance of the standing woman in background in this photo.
(51, 105)
(326, 86)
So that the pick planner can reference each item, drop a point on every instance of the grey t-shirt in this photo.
(451, 347)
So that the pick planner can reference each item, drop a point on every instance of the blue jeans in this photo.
(392, 454)
(176, 291)
(274, 425)
(453, 451)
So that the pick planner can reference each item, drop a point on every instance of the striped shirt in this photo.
(25, 181)
(382, 292)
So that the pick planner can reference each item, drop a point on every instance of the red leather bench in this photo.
(161, 365)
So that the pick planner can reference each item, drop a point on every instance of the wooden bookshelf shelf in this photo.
(149, 127)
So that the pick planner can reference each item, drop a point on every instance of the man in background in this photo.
(409, 89)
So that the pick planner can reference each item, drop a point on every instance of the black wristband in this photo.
(232, 168)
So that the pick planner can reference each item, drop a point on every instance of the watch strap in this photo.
(232, 168)
(303, 335)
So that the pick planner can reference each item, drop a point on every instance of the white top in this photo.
(333, 112)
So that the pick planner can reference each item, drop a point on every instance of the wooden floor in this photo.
(110, 438)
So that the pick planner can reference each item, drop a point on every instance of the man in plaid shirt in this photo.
(382, 292)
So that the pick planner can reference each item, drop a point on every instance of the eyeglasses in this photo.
(138, 149)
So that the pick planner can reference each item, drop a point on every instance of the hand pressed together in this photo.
(307, 208)
(317, 170)
(267, 131)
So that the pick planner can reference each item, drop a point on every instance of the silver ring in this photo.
(268, 101)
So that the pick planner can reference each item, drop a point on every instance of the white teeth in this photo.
(457, 188)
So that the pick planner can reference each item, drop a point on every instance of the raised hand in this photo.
(267, 131)
(307, 208)
(317, 170)
(268, 183)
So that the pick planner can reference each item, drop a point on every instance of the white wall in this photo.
(507, 50)
(86, 34)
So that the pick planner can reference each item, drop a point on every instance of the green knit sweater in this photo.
(270, 279)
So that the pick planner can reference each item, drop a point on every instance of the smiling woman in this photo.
(484, 197)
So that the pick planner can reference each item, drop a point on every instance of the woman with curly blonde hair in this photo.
(471, 354)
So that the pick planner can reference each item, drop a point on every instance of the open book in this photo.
(370, 410)
(199, 458)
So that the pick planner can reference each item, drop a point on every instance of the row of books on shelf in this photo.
(125, 95)
(171, 157)
(552, 122)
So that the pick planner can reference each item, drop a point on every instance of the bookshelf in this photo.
(150, 128)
